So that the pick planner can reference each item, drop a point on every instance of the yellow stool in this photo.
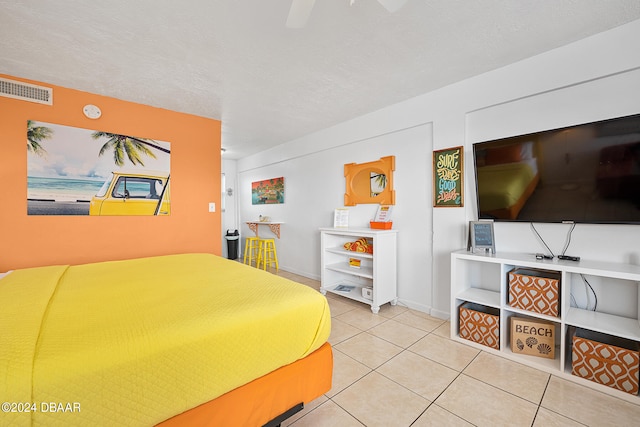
(251, 247)
(267, 254)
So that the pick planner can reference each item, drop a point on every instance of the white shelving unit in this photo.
(377, 271)
(481, 278)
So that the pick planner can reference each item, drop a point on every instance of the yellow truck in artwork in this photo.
(142, 192)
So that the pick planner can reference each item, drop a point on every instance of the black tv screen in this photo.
(588, 173)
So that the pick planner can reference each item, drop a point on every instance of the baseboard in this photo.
(300, 273)
(444, 315)
(415, 306)
(424, 309)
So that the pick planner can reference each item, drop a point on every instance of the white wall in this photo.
(593, 79)
(314, 187)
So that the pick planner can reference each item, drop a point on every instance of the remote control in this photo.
(569, 258)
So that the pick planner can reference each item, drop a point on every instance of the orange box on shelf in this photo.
(535, 290)
(605, 359)
(381, 225)
(480, 324)
(533, 337)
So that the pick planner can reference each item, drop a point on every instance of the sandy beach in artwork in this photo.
(60, 196)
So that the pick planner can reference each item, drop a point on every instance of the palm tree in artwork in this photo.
(35, 136)
(378, 183)
(127, 147)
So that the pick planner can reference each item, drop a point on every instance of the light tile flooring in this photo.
(399, 368)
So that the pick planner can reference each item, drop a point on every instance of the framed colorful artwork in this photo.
(268, 191)
(76, 171)
(447, 177)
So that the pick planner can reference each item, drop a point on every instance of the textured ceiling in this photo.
(234, 60)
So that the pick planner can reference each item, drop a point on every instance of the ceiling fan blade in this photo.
(299, 13)
(392, 5)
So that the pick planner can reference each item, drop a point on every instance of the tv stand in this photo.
(482, 279)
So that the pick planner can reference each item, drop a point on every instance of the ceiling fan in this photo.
(301, 10)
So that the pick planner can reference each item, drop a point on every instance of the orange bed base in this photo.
(265, 398)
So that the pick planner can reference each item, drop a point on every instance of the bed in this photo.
(192, 339)
(507, 177)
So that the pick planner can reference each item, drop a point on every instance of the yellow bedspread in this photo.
(136, 342)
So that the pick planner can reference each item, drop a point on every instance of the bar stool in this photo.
(267, 254)
(251, 250)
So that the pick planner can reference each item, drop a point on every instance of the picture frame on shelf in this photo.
(482, 236)
(341, 218)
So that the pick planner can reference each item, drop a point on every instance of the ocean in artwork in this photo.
(62, 189)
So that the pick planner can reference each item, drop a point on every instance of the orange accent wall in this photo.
(27, 241)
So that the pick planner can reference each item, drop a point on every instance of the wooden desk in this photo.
(273, 225)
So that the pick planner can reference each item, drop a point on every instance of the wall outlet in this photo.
(212, 206)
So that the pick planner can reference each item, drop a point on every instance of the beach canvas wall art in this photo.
(268, 191)
(76, 171)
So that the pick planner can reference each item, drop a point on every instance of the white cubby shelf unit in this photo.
(377, 271)
(481, 278)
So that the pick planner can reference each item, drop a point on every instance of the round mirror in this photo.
(369, 182)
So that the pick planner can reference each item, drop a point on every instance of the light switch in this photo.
(212, 207)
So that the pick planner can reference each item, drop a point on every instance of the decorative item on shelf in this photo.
(383, 214)
(605, 359)
(534, 290)
(355, 262)
(533, 337)
(382, 220)
(341, 218)
(361, 245)
(480, 324)
(381, 225)
(367, 292)
(481, 236)
(447, 179)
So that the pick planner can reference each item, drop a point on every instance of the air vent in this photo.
(26, 92)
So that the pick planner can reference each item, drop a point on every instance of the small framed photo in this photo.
(341, 218)
(481, 236)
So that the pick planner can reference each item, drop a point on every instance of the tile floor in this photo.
(399, 368)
